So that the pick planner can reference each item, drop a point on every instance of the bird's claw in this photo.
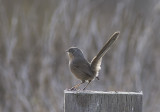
(72, 89)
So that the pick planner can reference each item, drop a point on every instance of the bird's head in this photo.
(74, 52)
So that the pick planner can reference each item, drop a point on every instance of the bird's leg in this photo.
(97, 78)
(87, 85)
(77, 85)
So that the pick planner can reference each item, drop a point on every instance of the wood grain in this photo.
(99, 101)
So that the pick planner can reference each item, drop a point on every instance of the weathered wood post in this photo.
(98, 101)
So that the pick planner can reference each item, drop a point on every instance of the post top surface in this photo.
(101, 92)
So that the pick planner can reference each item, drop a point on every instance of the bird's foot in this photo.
(72, 89)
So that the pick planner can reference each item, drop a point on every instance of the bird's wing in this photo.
(83, 66)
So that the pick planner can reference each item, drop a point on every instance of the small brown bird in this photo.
(84, 70)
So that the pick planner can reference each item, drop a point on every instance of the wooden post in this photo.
(98, 101)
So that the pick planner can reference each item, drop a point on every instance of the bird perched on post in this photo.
(84, 70)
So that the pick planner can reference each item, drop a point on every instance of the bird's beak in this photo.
(67, 51)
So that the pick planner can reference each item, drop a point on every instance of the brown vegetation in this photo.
(35, 34)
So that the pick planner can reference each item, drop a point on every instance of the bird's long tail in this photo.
(96, 62)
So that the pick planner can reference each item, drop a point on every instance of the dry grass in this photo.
(35, 34)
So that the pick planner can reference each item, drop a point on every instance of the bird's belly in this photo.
(80, 75)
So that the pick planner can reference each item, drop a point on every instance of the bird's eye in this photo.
(73, 50)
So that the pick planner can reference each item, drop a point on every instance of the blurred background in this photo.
(34, 35)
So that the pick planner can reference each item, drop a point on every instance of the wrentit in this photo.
(84, 70)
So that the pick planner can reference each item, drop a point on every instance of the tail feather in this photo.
(96, 61)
